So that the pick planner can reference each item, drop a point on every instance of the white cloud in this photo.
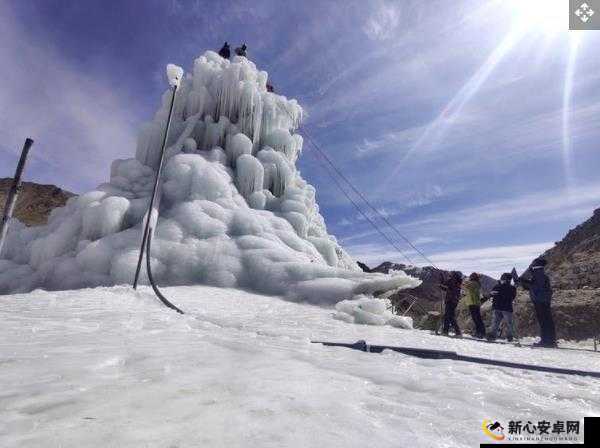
(532, 208)
(392, 141)
(383, 21)
(80, 124)
(423, 240)
(492, 261)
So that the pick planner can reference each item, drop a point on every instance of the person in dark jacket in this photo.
(538, 284)
(452, 288)
(241, 51)
(225, 52)
(472, 289)
(503, 296)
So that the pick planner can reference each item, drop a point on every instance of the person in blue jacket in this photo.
(538, 284)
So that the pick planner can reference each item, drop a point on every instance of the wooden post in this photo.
(11, 198)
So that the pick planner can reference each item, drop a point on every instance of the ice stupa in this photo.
(234, 211)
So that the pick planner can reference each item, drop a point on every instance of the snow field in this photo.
(110, 367)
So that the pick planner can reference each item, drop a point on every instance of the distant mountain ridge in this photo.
(35, 201)
(429, 292)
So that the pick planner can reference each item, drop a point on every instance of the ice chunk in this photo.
(190, 145)
(236, 146)
(215, 133)
(217, 155)
(104, 218)
(249, 174)
(257, 200)
(174, 74)
(370, 311)
(278, 174)
(281, 140)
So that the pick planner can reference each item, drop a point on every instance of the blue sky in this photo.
(471, 125)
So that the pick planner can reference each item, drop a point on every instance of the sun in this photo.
(546, 16)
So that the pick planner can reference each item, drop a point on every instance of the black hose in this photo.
(441, 354)
(162, 298)
(154, 190)
(518, 365)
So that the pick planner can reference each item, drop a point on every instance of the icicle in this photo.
(238, 144)
(249, 175)
(282, 141)
(228, 93)
(214, 134)
(148, 147)
(278, 174)
(250, 112)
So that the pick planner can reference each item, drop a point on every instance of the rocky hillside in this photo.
(574, 270)
(574, 263)
(35, 201)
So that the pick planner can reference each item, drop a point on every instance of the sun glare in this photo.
(547, 16)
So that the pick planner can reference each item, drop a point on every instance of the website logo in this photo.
(494, 430)
(540, 431)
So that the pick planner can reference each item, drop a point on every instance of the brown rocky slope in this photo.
(35, 201)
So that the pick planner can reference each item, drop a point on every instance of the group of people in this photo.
(534, 280)
(225, 51)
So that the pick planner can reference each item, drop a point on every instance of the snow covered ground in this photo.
(113, 368)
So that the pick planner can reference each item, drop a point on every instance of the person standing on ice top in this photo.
(472, 288)
(535, 280)
(241, 51)
(503, 296)
(225, 52)
(452, 288)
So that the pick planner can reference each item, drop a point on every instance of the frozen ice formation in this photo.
(174, 75)
(234, 211)
(369, 311)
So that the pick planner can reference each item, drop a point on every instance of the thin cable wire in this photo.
(356, 191)
(387, 221)
(357, 207)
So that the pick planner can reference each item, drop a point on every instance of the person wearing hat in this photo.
(472, 289)
(503, 296)
(452, 288)
(538, 284)
(241, 51)
(225, 52)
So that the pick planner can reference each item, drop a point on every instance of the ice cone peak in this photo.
(234, 212)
